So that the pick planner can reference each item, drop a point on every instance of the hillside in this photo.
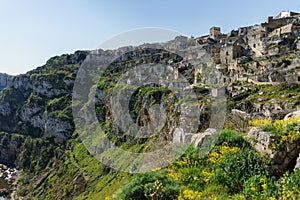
(209, 117)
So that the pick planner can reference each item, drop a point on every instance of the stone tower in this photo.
(215, 33)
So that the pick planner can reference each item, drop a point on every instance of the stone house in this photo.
(231, 51)
(284, 18)
(256, 32)
(286, 31)
(258, 35)
(215, 33)
(286, 14)
(256, 40)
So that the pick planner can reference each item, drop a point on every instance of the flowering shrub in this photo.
(259, 187)
(187, 161)
(236, 168)
(286, 131)
(262, 187)
(153, 185)
(282, 126)
(189, 195)
(216, 156)
(288, 187)
(206, 176)
(194, 178)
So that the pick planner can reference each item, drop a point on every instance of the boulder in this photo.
(198, 139)
(260, 140)
(295, 114)
(297, 166)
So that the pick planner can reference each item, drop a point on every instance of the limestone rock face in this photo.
(276, 77)
(180, 137)
(281, 160)
(238, 119)
(58, 129)
(5, 80)
(8, 174)
(9, 148)
(38, 103)
(4, 192)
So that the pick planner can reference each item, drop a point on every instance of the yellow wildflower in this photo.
(252, 187)
(264, 186)
(216, 156)
(259, 122)
(206, 176)
(189, 195)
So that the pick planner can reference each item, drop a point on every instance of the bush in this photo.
(263, 187)
(288, 186)
(236, 168)
(153, 185)
(232, 138)
(259, 187)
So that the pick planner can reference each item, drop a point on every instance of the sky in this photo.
(32, 31)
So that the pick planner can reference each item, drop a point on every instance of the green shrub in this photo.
(288, 186)
(236, 168)
(153, 185)
(232, 138)
(259, 187)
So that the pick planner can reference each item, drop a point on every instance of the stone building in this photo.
(215, 33)
(255, 38)
(286, 14)
(231, 51)
(279, 21)
(285, 31)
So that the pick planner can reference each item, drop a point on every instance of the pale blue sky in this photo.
(32, 31)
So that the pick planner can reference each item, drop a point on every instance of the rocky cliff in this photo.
(5, 80)
(38, 103)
